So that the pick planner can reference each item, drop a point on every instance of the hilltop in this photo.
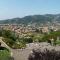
(33, 19)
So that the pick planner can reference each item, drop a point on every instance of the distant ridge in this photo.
(33, 19)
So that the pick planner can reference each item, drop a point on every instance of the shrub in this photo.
(5, 54)
(28, 40)
(44, 55)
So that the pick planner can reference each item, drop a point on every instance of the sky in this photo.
(20, 8)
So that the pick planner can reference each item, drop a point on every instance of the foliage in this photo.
(44, 55)
(14, 41)
(5, 54)
(32, 19)
(11, 38)
(53, 35)
(28, 40)
(57, 42)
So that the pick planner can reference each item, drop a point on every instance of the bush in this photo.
(5, 54)
(44, 55)
(28, 40)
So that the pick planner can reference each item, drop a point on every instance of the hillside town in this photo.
(22, 29)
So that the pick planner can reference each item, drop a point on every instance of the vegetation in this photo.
(44, 55)
(14, 41)
(52, 35)
(11, 39)
(5, 54)
(32, 19)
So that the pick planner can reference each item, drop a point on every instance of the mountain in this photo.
(33, 19)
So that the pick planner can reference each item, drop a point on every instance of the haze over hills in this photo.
(33, 19)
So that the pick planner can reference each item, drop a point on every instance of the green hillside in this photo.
(32, 19)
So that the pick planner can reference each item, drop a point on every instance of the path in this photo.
(4, 44)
